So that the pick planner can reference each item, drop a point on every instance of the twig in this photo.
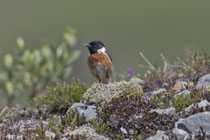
(4, 111)
(165, 62)
(150, 65)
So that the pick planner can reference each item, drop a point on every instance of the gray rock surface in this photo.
(184, 92)
(160, 135)
(123, 130)
(203, 82)
(136, 80)
(89, 111)
(161, 90)
(202, 104)
(50, 135)
(191, 125)
(83, 133)
(166, 111)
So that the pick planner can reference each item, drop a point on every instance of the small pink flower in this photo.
(129, 70)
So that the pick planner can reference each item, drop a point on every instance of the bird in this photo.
(99, 61)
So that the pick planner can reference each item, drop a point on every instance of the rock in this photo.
(179, 133)
(131, 132)
(140, 116)
(10, 137)
(161, 90)
(191, 125)
(203, 104)
(203, 82)
(167, 111)
(136, 80)
(104, 93)
(180, 85)
(49, 134)
(83, 133)
(185, 92)
(123, 130)
(160, 135)
(89, 111)
(23, 124)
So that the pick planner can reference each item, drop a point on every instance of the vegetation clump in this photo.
(189, 68)
(132, 114)
(27, 73)
(86, 133)
(104, 93)
(124, 108)
(61, 97)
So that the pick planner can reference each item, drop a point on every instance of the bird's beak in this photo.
(87, 45)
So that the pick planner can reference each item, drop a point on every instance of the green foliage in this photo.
(59, 98)
(139, 137)
(101, 127)
(3, 113)
(191, 66)
(40, 131)
(181, 102)
(28, 72)
(132, 89)
(53, 121)
(194, 63)
(72, 120)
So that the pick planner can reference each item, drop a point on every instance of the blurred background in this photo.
(126, 28)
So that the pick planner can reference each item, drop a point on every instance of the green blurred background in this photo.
(126, 27)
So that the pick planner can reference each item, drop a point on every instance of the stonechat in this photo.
(99, 61)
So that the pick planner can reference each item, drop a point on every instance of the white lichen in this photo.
(104, 93)
(84, 132)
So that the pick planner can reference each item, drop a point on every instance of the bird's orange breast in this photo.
(100, 59)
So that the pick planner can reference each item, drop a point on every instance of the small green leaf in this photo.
(8, 61)
(9, 87)
(20, 42)
(69, 36)
(45, 51)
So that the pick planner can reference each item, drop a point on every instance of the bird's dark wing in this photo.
(109, 55)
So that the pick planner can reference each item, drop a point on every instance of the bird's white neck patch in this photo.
(102, 50)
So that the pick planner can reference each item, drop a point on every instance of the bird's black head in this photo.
(95, 45)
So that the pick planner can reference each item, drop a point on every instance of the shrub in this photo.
(60, 97)
(191, 67)
(28, 72)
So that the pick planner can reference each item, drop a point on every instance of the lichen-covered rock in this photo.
(167, 111)
(160, 135)
(137, 80)
(184, 92)
(104, 93)
(84, 133)
(161, 90)
(203, 104)
(50, 135)
(191, 125)
(89, 111)
(203, 82)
